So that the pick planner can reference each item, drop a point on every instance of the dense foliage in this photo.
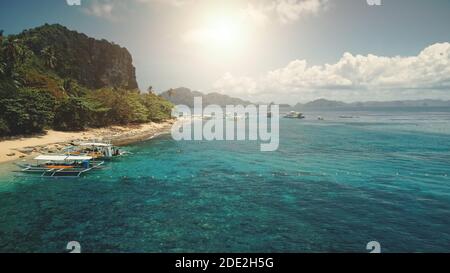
(25, 111)
(41, 88)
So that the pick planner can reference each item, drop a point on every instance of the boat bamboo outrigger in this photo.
(62, 165)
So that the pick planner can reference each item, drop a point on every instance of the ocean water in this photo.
(333, 186)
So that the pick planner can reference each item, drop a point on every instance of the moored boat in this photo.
(294, 115)
(61, 165)
(97, 150)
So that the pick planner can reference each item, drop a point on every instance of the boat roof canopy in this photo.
(62, 158)
(95, 144)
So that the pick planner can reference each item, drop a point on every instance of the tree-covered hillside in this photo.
(51, 77)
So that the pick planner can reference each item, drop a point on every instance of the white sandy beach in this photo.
(54, 141)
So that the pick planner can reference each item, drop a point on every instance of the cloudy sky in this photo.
(268, 50)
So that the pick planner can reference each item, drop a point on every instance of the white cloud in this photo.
(244, 87)
(103, 9)
(257, 15)
(174, 3)
(292, 10)
(284, 11)
(353, 77)
(258, 12)
(114, 9)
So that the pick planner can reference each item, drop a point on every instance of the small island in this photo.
(58, 86)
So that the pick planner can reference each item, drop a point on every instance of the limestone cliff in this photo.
(92, 63)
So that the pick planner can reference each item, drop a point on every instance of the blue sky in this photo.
(267, 49)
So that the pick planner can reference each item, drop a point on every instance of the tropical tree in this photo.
(68, 85)
(49, 57)
(26, 110)
(2, 64)
(140, 112)
(16, 79)
(72, 114)
(10, 55)
(4, 129)
(9, 52)
(2, 67)
(158, 108)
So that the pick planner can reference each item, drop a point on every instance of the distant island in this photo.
(55, 78)
(185, 96)
(329, 104)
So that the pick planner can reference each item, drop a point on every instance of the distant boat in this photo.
(320, 118)
(61, 165)
(345, 116)
(207, 117)
(294, 115)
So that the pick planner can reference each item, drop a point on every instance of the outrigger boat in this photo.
(97, 150)
(62, 165)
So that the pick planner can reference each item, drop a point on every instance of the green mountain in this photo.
(184, 96)
(321, 103)
(52, 77)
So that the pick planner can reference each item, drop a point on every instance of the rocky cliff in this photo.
(92, 63)
(52, 77)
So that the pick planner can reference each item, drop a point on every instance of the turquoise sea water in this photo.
(332, 186)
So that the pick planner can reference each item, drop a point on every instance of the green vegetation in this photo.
(48, 81)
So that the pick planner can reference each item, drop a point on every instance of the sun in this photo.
(219, 33)
(224, 32)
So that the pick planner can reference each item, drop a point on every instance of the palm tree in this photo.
(17, 79)
(10, 55)
(49, 57)
(2, 64)
(67, 85)
(2, 68)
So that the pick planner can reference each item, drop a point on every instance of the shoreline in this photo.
(55, 141)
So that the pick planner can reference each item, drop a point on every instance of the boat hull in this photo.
(46, 171)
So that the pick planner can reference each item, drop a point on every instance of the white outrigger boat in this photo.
(97, 150)
(62, 165)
